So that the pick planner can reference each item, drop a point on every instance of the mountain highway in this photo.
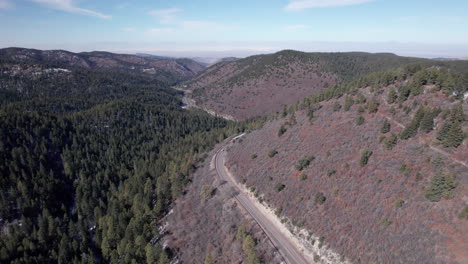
(285, 246)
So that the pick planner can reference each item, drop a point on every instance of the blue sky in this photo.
(427, 28)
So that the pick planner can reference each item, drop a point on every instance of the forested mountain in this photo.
(264, 84)
(94, 150)
(91, 158)
(30, 73)
(374, 170)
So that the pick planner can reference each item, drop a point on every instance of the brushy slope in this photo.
(263, 84)
(372, 173)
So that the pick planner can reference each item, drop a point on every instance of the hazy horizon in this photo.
(209, 28)
(242, 51)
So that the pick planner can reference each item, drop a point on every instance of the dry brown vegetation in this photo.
(376, 213)
(206, 222)
(264, 84)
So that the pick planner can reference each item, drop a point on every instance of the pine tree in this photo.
(412, 129)
(455, 136)
(451, 134)
(427, 122)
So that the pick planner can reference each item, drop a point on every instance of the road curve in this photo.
(285, 246)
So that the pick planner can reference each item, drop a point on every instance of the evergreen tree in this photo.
(454, 137)
(451, 134)
(427, 122)
(412, 129)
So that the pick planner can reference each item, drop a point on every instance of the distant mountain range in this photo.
(148, 64)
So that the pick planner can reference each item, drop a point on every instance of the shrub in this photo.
(278, 211)
(336, 107)
(249, 249)
(365, 155)
(321, 240)
(382, 139)
(361, 109)
(320, 198)
(209, 259)
(360, 120)
(403, 167)
(385, 222)
(282, 130)
(335, 192)
(391, 141)
(348, 103)
(254, 156)
(330, 172)
(272, 153)
(303, 176)
(441, 186)
(206, 191)
(418, 176)
(385, 127)
(373, 105)
(310, 114)
(241, 233)
(464, 213)
(279, 187)
(316, 258)
(392, 96)
(303, 163)
(361, 99)
(399, 203)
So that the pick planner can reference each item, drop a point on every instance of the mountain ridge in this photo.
(264, 84)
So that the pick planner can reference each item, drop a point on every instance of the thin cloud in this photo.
(122, 5)
(159, 31)
(5, 4)
(169, 17)
(128, 29)
(294, 27)
(202, 25)
(69, 6)
(166, 16)
(295, 5)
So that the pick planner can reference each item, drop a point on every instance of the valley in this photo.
(355, 158)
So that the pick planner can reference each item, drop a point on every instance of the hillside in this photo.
(91, 161)
(27, 71)
(264, 84)
(375, 170)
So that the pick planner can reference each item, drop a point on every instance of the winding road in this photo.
(285, 246)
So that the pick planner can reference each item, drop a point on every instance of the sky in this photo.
(219, 28)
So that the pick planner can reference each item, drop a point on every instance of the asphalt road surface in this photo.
(285, 246)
